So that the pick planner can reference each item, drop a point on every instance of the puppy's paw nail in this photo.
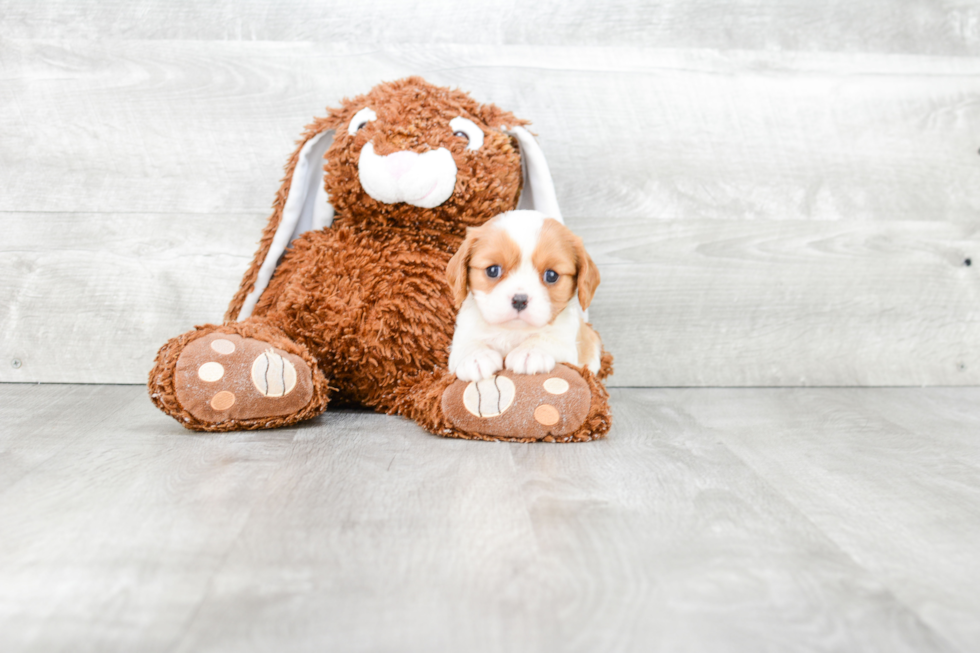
(530, 361)
(541, 364)
(482, 364)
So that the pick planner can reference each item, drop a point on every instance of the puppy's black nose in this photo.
(519, 302)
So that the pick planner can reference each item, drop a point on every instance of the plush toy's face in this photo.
(411, 154)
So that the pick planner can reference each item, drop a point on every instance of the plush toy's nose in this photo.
(400, 162)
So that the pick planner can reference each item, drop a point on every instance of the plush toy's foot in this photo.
(509, 406)
(236, 377)
(223, 376)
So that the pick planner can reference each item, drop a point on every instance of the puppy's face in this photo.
(522, 269)
(410, 154)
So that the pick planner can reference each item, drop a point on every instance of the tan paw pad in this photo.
(223, 400)
(273, 375)
(223, 347)
(546, 414)
(489, 397)
(210, 372)
(555, 386)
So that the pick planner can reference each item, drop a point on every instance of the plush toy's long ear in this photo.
(306, 207)
(538, 193)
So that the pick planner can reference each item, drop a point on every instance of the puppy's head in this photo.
(522, 269)
(411, 154)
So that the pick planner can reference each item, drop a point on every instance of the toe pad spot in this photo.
(556, 386)
(223, 347)
(223, 400)
(211, 372)
(546, 414)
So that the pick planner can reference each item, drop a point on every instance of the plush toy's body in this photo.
(347, 299)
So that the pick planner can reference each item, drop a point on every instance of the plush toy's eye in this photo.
(467, 129)
(361, 118)
(550, 276)
(493, 271)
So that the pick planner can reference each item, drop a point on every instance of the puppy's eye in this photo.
(467, 129)
(550, 276)
(360, 119)
(493, 271)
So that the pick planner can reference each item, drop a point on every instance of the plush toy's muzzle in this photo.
(424, 180)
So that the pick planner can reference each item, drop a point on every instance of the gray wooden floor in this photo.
(710, 520)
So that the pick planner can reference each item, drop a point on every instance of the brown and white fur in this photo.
(514, 311)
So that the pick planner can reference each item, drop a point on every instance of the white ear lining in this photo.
(307, 208)
(538, 193)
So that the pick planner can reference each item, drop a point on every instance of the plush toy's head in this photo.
(405, 155)
(410, 154)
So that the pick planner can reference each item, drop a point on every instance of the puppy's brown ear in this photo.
(587, 274)
(458, 270)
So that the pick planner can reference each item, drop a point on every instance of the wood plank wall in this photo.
(778, 193)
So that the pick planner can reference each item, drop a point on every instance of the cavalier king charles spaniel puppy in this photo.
(522, 283)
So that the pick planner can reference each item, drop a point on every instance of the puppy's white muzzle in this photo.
(424, 180)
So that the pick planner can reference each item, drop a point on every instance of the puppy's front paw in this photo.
(530, 361)
(481, 364)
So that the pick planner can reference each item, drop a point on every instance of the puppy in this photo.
(522, 282)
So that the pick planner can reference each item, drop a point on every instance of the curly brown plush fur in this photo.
(365, 303)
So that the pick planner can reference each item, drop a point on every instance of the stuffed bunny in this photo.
(346, 300)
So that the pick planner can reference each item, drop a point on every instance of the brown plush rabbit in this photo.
(346, 299)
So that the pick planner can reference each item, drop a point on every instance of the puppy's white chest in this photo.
(506, 341)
